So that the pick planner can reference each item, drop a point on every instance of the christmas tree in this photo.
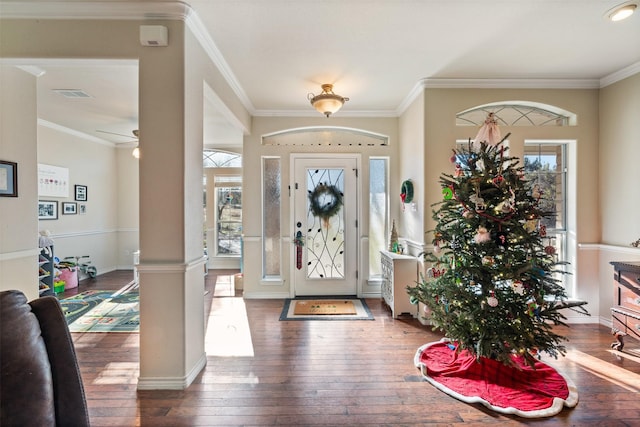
(493, 287)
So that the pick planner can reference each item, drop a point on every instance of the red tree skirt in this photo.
(527, 392)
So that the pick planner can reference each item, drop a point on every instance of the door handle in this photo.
(299, 242)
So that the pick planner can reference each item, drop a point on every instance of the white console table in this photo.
(398, 272)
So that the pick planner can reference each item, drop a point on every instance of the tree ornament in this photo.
(530, 225)
(501, 239)
(447, 193)
(498, 180)
(550, 250)
(479, 202)
(488, 260)
(492, 300)
(454, 157)
(542, 230)
(518, 287)
(482, 236)
(325, 201)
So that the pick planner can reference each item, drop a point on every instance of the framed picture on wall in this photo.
(82, 208)
(81, 193)
(47, 209)
(8, 179)
(69, 208)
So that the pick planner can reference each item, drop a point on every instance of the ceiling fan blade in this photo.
(119, 134)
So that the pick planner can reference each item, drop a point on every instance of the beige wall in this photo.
(128, 207)
(91, 164)
(18, 143)
(411, 154)
(619, 190)
(619, 161)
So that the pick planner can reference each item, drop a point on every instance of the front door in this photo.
(325, 225)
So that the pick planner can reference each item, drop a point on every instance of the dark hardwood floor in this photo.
(261, 372)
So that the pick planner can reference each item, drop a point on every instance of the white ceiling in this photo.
(376, 52)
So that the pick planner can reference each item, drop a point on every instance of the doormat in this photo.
(330, 308)
(102, 311)
(529, 392)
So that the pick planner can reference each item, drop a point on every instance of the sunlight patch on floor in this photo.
(605, 370)
(224, 287)
(231, 379)
(119, 373)
(228, 331)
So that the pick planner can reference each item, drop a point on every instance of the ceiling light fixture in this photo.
(622, 11)
(327, 102)
(136, 151)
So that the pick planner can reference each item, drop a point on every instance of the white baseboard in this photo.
(172, 383)
(265, 295)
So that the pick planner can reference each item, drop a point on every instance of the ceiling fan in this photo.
(135, 138)
(134, 132)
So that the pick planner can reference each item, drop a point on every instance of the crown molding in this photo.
(620, 75)
(72, 132)
(314, 113)
(204, 38)
(136, 10)
(435, 83)
(511, 83)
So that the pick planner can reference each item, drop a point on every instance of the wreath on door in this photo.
(325, 201)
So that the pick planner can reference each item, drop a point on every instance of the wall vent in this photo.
(72, 93)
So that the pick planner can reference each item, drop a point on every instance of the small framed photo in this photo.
(82, 208)
(69, 208)
(47, 209)
(81, 193)
(8, 179)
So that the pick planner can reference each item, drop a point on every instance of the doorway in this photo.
(325, 224)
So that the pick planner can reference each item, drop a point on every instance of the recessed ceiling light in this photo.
(621, 11)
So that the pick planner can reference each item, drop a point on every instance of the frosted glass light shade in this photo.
(327, 102)
(622, 11)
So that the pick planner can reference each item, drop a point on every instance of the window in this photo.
(228, 215)
(271, 216)
(378, 212)
(516, 114)
(545, 167)
(221, 159)
(223, 203)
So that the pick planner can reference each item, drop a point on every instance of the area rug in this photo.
(528, 392)
(329, 308)
(102, 311)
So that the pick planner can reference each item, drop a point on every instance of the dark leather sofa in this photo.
(40, 382)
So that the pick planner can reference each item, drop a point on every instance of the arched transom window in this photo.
(516, 114)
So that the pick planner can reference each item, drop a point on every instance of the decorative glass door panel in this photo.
(325, 224)
(325, 229)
